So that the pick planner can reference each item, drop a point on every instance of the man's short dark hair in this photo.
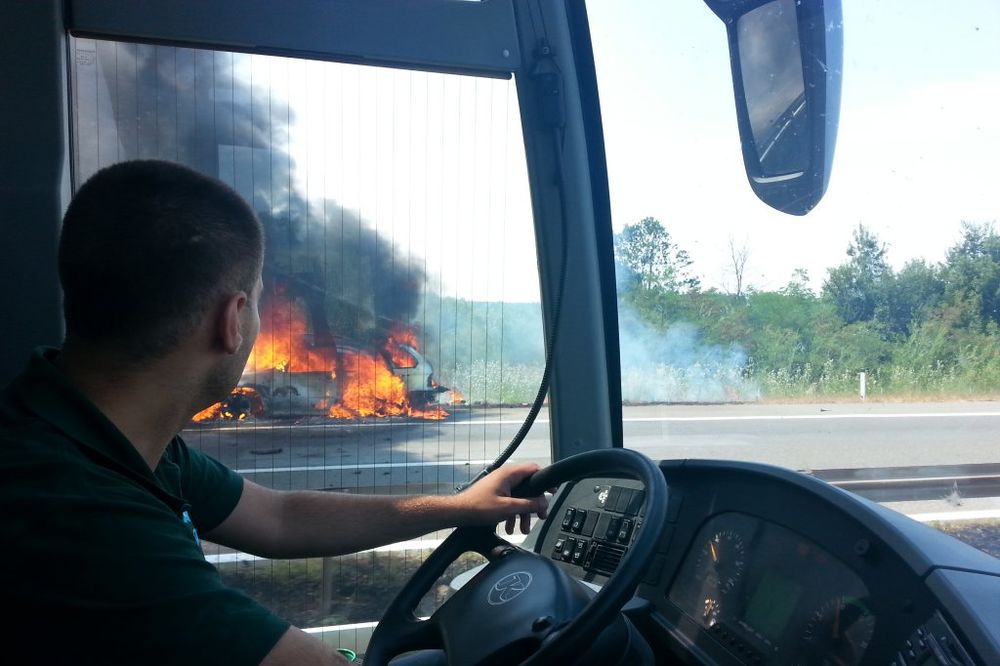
(146, 248)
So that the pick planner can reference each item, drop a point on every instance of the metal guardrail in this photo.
(899, 484)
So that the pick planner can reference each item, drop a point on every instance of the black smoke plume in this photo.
(202, 109)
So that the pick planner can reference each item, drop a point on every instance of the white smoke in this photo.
(674, 365)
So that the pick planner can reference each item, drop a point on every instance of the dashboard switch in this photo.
(590, 523)
(625, 531)
(578, 519)
(579, 551)
(634, 504)
(613, 496)
(603, 523)
(558, 548)
(624, 498)
(568, 519)
(613, 527)
(568, 547)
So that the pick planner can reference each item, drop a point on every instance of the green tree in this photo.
(972, 274)
(911, 294)
(857, 288)
(647, 257)
(798, 285)
(787, 325)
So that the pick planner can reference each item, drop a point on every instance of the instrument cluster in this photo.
(772, 595)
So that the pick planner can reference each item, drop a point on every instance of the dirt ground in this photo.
(984, 535)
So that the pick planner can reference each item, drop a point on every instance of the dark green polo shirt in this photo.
(97, 564)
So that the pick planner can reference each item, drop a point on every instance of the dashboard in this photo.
(762, 565)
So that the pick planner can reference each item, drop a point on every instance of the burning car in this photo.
(364, 382)
(276, 392)
(297, 369)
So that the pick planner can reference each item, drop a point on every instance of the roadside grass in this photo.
(981, 534)
(879, 398)
(930, 382)
(492, 384)
(361, 585)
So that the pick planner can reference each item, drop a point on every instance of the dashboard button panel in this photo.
(596, 530)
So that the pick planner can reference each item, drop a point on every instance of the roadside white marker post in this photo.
(863, 387)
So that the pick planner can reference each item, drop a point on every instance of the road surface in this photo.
(397, 455)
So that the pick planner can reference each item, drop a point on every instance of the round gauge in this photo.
(837, 632)
(724, 557)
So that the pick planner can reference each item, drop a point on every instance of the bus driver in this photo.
(102, 502)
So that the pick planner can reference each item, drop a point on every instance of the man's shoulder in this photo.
(43, 471)
(41, 466)
(25, 434)
(13, 412)
(26, 438)
(65, 510)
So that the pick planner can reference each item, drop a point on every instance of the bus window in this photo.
(401, 336)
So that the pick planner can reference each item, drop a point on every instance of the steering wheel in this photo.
(522, 608)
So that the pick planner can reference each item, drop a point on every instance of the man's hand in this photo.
(489, 502)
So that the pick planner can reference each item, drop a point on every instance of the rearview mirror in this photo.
(786, 58)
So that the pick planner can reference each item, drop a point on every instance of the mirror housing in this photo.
(786, 58)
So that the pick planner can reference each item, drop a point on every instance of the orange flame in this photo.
(281, 344)
(209, 413)
(239, 409)
(369, 388)
(367, 385)
(400, 358)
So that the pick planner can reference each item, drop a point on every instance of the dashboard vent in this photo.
(606, 558)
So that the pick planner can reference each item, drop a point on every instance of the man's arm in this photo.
(290, 524)
(297, 648)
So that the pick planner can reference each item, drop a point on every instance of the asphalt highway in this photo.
(403, 455)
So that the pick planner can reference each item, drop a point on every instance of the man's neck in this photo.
(149, 404)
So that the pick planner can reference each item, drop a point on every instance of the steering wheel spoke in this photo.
(407, 633)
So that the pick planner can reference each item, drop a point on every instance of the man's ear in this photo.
(229, 329)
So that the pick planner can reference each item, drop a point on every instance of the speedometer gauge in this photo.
(838, 632)
(722, 557)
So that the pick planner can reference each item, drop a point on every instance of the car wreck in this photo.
(298, 368)
(362, 382)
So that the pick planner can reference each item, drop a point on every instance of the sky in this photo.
(916, 152)
(915, 156)
(435, 163)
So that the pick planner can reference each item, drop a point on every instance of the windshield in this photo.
(858, 342)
